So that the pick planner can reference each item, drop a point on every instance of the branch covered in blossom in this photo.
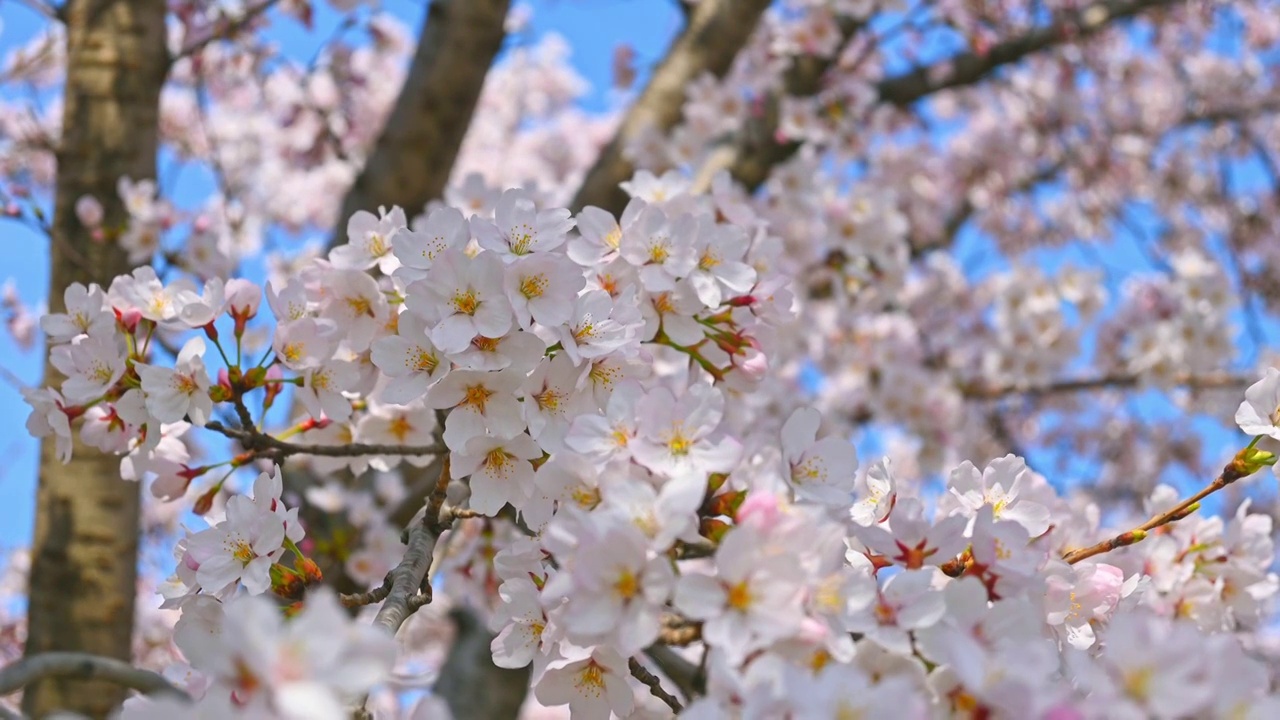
(224, 28)
(756, 153)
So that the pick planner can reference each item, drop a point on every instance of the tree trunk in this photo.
(84, 566)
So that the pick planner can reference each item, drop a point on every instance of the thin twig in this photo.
(264, 444)
(84, 666)
(1234, 470)
(375, 595)
(651, 681)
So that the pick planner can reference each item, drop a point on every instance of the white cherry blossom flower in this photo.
(180, 391)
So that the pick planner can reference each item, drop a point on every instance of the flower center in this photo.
(533, 286)
(465, 302)
(476, 397)
(740, 596)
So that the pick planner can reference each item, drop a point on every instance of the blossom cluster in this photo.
(596, 377)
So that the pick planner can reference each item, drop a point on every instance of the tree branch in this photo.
(1214, 381)
(224, 28)
(412, 159)
(83, 666)
(1236, 469)
(651, 681)
(715, 32)
(265, 445)
(754, 155)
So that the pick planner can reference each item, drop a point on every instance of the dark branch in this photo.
(265, 445)
(651, 681)
(224, 29)
(412, 159)
(716, 30)
(83, 666)
(755, 154)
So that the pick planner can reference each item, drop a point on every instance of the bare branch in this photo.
(375, 595)
(407, 577)
(651, 681)
(1212, 381)
(716, 30)
(1236, 469)
(412, 159)
(83, 666)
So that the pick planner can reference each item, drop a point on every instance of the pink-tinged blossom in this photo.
(409, 359)
(518, 351)
(998, 486)
(310, 667)
(1259, 414)
(662, 514)
(678, 436)
(613, 598)
(751, 601)
(820, 470)
(598, 326)
(86, 314)
(48, 419)
(672, 312)
(103, 428)
(906, 603)
(912, 540)
(199, 309)
(523, 623)
(370, 240)
(181, 391)
(480, 402)
(878, 496)
(411, 424)
(609, 436)
(499, 470)
(355, 303)
(290, 303)
(241, 548)
(661, 247)
(519, 228)
(592, 682)
(564, 479)
(142, 291)
(305, 343)
(600, 233)
(720, 271)
(552, 399)
(542, 288)
(322, 389)
(442, 229)
(92, 364)
(461, 298)
(1079, 596)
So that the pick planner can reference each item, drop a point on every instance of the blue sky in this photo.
(593, 28)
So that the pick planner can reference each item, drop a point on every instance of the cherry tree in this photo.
(865, 359)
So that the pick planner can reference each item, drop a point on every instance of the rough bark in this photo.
(84, 566)
(473, 687)
(715, 32)
(412, 159)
